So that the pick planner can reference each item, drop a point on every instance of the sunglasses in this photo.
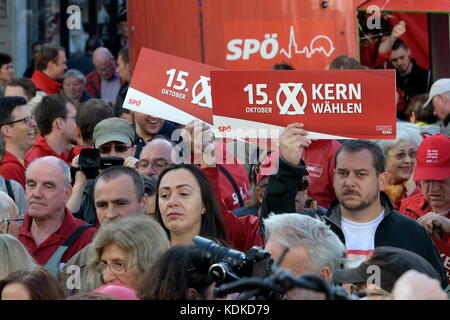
(117, 148)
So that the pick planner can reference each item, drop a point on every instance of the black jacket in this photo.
(395, 230)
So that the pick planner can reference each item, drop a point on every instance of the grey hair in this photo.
(13, 256)
(139, 235)
(65, 168)
(406, 133)
(74, 73)
(324, 246)
(8, 209)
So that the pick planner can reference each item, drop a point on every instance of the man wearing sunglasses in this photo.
(17, 126)
(113, 137)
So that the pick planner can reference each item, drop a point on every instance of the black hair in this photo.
(399, 43)
(50, 108)
(211, 226)
(114, 172)
(353, 146)
(5, 59)
(7, 106)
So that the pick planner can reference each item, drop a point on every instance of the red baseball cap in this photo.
(433, 158)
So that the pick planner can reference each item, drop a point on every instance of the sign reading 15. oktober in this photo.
(170, 87)
(333, 104)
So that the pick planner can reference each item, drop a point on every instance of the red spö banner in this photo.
(170, 88)
(333, 104)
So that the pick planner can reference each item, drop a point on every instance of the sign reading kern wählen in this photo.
(333, 104)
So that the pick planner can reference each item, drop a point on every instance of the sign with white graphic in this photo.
(171, 88)
(333, 104)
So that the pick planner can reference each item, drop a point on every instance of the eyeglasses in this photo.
(115, 267)
(28, 120)
(402, 155)
(159, 164)
(117, 148)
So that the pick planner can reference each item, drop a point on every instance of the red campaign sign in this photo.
(444, 250)
(170, 88)
(333, 104)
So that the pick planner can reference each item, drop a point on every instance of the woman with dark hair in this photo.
(187, 206)
(174, 277)
(31, 284)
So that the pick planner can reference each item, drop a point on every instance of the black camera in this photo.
(226, 265)
(90, 162)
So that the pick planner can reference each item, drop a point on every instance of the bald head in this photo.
(58, 166)
(155, 157)
(48, 189)
(104, 62)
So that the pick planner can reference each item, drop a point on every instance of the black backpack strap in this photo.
(54, 262)
(10, 190)
(233, 183)
(74, 236)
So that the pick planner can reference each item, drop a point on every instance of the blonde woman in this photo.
(13, 256)
(124, 249)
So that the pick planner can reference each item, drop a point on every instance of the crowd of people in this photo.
(100, 203)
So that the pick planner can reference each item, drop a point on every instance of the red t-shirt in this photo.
(42, 149)
(12, 169)
(45, 250)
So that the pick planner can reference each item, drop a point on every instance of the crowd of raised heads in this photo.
(101, 203)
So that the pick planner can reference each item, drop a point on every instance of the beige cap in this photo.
(112, 129)
(439, 87)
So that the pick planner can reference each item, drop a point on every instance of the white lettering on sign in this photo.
(269, 48)
(336, 91)
(327, 98)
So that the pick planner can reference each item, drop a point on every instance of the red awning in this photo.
(442, 6)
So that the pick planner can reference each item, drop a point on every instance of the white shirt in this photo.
(360, 237)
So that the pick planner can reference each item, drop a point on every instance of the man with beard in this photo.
(362, 215)
(412, 80)
(55, 116)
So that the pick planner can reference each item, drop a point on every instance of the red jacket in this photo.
(415, 207)
(45, 250)
(242, 232)
(11, 168)
(239, 174)
(42, 149)
(93, 84)
(45, 83)
(319, 159)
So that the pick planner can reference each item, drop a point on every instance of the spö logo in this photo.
(272, 46)
(135, 102)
